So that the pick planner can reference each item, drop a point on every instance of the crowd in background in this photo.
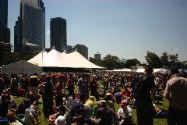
(79, 98)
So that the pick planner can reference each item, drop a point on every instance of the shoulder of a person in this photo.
(174, 78)
(129, 108)
(183, 78)
(120, 110)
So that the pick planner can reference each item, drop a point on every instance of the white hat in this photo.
(61, 120)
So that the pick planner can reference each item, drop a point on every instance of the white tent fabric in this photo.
(71, 60)
(36, 59)
(161, 70)
(140, 70)
(76, 60)
(52, 59)
(122, 70)
(156, 70)
(21, 67)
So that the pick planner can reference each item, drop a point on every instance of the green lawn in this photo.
(164, 105)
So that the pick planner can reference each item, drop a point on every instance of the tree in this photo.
(173, 60)
(165, 60)
(132, 62)
(110, 61)
(97, 62)
(153, 60)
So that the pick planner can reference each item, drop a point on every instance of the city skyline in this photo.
(58, 33)
(125, 28)
(4, 30)
(29, 29)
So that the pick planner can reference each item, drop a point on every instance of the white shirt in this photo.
(124, 113)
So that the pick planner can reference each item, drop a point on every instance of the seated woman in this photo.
(90, 106)
(61, 110)
(22, 106)
(12, 119)
(28, 117)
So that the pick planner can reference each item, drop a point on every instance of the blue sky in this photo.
(125, 28)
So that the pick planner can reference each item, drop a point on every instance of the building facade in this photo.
(97, 56)
(4, 30)
(29, 30)
(58, 33)
(4, 12)
(82, 49)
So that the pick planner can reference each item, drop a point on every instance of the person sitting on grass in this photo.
(61, 110)
(105, 115)
(124, 113)
(159, 113)
(12, 119)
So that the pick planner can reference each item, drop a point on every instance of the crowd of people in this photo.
(91, 98)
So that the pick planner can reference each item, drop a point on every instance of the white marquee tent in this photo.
(156, 70)
(76, 60)
(58, 59)
(122, 70)
(161, 70)
(140, 70)
(37, 58)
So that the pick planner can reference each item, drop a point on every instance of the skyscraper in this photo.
(97, 56)
(3, 12)
(29, 30)
(4, 30)
(82, 49)
(58, 35)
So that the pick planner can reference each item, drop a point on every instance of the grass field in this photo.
(163, 104)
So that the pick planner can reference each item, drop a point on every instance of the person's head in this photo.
(48, 78)
(182, 73)
(174, 70)
(61, 109)
(26, 102)
(61, 120)
(11, 116)
(123, 103)
(89, 103)
(108, 96)
(102, 104)
(93, 99)
(148, 69)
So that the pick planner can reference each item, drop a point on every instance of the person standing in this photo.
(94, 88)
(83, 86)
(176, 93)
(70, 85)
(144, 106)
(48, 97)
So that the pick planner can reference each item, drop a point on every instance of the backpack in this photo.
(137, 85)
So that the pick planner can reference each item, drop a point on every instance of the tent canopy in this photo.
(122, 70)
(37, 58)
(58, 59)
(21, 67)
(162, 71)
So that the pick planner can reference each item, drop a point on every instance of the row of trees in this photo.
(7, 57)
(164, 61)
(109, 61)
